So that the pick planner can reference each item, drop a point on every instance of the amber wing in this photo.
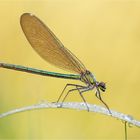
(48, 46)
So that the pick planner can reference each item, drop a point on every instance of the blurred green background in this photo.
(104, 35)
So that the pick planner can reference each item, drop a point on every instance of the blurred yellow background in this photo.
(104, 35)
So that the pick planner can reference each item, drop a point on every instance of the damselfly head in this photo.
(102, 86)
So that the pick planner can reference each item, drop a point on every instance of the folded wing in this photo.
(48, 46)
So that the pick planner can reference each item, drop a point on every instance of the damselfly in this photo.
(49, 47)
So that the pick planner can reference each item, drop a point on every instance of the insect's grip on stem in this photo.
(77, 88)
(98, 95)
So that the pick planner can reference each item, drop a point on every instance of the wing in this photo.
(48, 46)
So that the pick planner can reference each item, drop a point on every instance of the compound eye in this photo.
(102, 86)
(102, 89)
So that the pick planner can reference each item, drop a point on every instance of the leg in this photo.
(80, 92)
(99, 97)
(78, 87)
(68, 91)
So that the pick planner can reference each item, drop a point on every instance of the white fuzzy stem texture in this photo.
(78, 106)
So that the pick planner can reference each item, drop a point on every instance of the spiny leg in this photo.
(79, 88)
(65, 89)
(80, 92)
(68, 93)
(99, 97)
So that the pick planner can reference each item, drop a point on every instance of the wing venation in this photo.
(48, 46)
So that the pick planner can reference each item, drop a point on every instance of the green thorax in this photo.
(88, 78)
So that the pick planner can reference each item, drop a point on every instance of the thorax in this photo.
(88, 78)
